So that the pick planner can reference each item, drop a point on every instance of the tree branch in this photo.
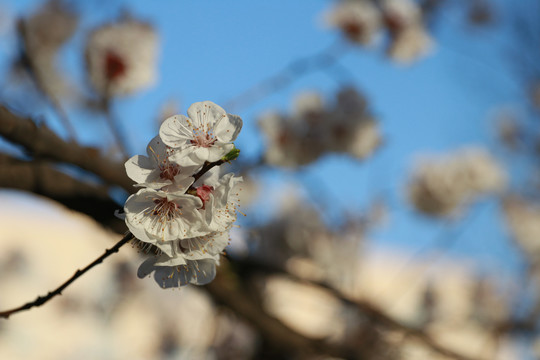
(40, 177)
(250, 266)
(41, 142)
(58, 291)
(225, 292)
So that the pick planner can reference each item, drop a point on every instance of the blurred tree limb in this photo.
(249, 267)
(40, 177)
(40, 142)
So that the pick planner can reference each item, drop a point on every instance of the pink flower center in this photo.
(168, 170)
(203, 192)
(203, 138)
(394, 23)
(115, 66)
(353, 29)
(165, 209)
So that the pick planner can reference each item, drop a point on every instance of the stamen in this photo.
(165, 210)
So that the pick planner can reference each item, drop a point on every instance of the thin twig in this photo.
(58, 291)
(206, 167)
(290, 73)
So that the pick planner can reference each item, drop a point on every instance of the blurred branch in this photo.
(290, 73)
(39, 177)
(58, 291)
(226, 292)
(41, 142)
(252, 266)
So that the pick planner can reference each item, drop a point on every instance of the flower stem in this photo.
(322, 60)
(58, 291)
(206, 167)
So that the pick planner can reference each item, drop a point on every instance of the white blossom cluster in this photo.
(314, 129)
(523, 219)
(121, 57)
(361, 21)
(185, 207)
(441, 186)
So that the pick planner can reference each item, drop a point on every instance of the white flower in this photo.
(315, 128)
(409, 38)
(481, 171)
(205, 135)
(281, 149)
(366, 138)
(306, 104)
(121, 57)
(220, 199)
(410, 44)
(444, 185)
(358, 20)
(178, 271)
(350, 101)
(399, 14)
(191, 261)
(157, 171)
(159, 218)
(198, 247)
(523, 220)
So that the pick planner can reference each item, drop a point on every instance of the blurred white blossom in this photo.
(523, 219)
(315, 128)
(121, 57)
(409, 39)
(359, 20)
(443, 185)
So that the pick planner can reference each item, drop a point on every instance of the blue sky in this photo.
(215, 50)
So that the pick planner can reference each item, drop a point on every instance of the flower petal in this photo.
(205, 114)
(201, 154)
(139, 168)
(205, 246)
(218, 151)
(205, 272)
(227, 128)
(147, 267)
(211, 177)
(176, 131)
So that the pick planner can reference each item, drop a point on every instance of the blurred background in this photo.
(390, 157)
